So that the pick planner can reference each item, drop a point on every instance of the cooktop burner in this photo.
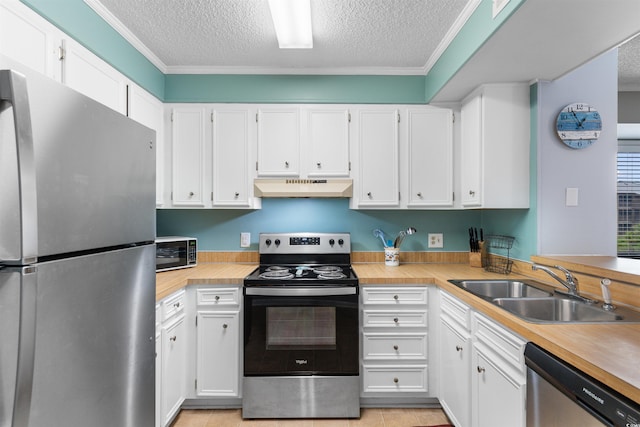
(324, 272)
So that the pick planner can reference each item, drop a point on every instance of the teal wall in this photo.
(220, 229)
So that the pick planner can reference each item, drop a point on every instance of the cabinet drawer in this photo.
(394, 295)
(394, 318)
(410, 378)
(218, 296)
(378, 346)
(455, 310)
(173, 305)
(496, 339)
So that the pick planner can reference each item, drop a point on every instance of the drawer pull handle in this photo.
(396, 380)
(225, 326)
(236, 194)
(395, 319)
(458, 348)
(217, 297)
(173, 338)
(419, 195)
(176, 305)
(480, 369)
(395, 347)
(286, 164)
(472, 193)
(395, 297)
(191, 194)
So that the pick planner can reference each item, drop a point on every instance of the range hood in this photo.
(303, 187)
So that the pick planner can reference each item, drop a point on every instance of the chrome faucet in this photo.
(570, 282)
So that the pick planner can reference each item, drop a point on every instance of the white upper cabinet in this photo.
(495, 147)
(430, 157)
(278, 142)
(28, 38)
(376, 136)
(327, 142)
(188, 156)
(233, 139)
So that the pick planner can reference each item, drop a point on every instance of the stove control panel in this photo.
(301, 243)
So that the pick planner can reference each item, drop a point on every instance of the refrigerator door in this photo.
(95, 341)
(91, 170)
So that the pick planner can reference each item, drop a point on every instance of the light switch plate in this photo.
(571, 198)
(245, 240)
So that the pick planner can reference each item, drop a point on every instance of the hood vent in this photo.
(303, 187)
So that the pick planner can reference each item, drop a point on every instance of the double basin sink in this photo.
(538, 303)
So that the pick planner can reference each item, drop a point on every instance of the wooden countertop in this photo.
(607, 352)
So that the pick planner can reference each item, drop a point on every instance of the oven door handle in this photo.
(291, 291)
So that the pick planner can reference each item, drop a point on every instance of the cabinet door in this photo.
(174, 359)
(378, 158)
(88, 74)
(158, 413)
(430, 140)
(328, 142)
(148, 110)
(279, 142)
(499, 396)
(231, 139)
(471, 152)
(26, 37)
(455, 358)
(188, 156)
(218, 360)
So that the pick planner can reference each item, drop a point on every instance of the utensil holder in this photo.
(392, 257)
(499, 261)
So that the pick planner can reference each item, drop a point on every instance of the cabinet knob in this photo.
(395, 347)
(173, 338)
(419, 195)
(395, 297)
(225, 326)
(480, 369)
(191, 193)
(176, 305)
(217, 297)
(286, 164)
(458, 348)
(236, 194)
(396, 380)
(369, 194)
(472, 193)
(395, 319)
(319, 165)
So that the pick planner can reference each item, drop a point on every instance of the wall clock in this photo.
(579, 125)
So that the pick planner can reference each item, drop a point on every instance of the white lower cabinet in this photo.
(218, 342)
(482, 370)
(394, 341)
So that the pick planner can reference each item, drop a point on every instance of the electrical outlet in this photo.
(435, 240)
(245, 240)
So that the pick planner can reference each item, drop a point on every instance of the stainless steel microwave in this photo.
(173, 252)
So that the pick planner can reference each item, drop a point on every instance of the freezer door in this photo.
(92, 170)
(95, 341)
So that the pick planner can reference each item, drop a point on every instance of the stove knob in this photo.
(332, 242)
(277, 242)
(341, 242)
(268, 242)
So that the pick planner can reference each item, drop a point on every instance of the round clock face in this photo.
(579, 125)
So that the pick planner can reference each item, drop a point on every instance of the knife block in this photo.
(476, 258)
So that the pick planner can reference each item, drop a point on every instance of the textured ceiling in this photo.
(629, 65)
(370, 35)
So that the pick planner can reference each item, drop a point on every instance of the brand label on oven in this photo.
(301, 361)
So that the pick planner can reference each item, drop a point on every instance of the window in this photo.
(628, 183)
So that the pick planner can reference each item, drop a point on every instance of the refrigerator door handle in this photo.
(13, 89)
(26, 347)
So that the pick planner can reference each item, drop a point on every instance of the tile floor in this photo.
(369, 418)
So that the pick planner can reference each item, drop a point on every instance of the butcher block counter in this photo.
(608, 352)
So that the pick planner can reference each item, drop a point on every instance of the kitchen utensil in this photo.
(402, 235)
(380, 234)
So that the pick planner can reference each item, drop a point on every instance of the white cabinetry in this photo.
(327, 142)
(188, 156)
(377, 183)
(455, 360)
(394, 341)
(218, 341)
(173, 337)
(278, 141)
(429, 157)
(495, 147)
(482, 374)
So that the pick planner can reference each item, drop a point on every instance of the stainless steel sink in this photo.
(563, 310)
(491, 289)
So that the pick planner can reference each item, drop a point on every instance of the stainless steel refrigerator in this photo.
(77, 259)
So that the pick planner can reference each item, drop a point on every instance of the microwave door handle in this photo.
(13, 90)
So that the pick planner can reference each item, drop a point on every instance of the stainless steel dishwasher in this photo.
(560, 395)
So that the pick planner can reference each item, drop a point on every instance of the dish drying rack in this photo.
(498, 260)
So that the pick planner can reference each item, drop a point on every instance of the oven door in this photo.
(301, 331)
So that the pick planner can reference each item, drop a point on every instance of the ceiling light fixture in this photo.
(292, 21)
